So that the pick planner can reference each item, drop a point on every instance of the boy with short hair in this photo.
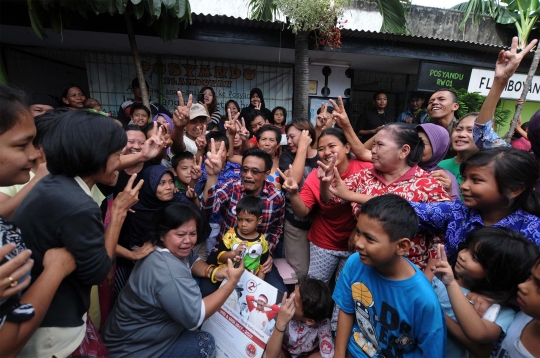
(182, 165)
(387, 305)
(244, 240)
(304, 330)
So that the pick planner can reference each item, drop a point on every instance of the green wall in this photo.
(529, 108)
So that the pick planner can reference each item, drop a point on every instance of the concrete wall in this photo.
(430, 22)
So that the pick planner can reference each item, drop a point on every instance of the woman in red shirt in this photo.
(332, 224)
(397, 150)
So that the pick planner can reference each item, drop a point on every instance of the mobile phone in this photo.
(237, 263)
(492, 312)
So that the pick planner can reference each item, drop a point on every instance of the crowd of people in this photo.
(120, 236)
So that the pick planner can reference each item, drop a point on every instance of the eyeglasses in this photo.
(253, 171)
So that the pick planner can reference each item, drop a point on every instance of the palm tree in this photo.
(316, 16)
(165, 15)
(523, 14)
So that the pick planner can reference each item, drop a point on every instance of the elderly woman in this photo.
(160, 308)
(397, 150)
(82, 149)
(72, 97)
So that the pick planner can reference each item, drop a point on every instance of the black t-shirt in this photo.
(371, 120)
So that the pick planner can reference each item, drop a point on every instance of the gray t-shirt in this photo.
(159, 301)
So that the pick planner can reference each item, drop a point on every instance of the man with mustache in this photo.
(256, 165)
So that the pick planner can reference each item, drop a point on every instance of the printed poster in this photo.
(243, 325)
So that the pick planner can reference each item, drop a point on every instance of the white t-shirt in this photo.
(511, 346)
(190, 145)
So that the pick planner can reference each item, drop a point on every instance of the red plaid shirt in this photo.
(225, 197)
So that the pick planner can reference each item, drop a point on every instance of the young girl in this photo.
(492, 261)
(279, 118)
(523, 336)
(497, 191)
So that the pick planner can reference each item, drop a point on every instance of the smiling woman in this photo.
(72, 96)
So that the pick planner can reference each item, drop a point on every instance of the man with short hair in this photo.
(124, 111)
(256, 165)
(442, 107)
(370, 122)
(415, 113)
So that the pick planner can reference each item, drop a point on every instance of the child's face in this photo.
(373, 243)
(247, 223)
(278, 116)
(529, 294)
(468, 267)
(479, 189)
(17, 153)
(139, 117)
(183, 171)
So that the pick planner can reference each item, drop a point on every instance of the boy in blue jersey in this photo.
(387, 306)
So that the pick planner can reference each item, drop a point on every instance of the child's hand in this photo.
(196, 171)
(200, 141)
(213, 161)
(240, 249)
(286, 312)
(190, 193)
(442, 268)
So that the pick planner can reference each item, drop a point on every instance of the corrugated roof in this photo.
(421, 40)
(236, 21)
(346, 33)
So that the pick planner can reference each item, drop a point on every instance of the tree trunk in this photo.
(135, 53)
(526, 87)
(301, 76)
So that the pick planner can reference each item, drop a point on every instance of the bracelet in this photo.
(279, 330)
(207, 272)
(212, 275)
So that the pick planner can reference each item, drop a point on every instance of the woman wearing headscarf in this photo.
(436, 145)
(256, 101)
(164, 119)
(156, 192)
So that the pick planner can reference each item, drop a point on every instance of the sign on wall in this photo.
(110, 76)
(482, 80)
(433, 76)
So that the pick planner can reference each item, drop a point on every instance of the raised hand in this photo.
(129, 196)
(166, 136)
(289, 184)
(190, 193)
(200, 141)
(442, 268)
(196, 171)
(242, 130)
(304, 141)
(153, 145)
(286, 312)
(213, 162)
(258, 105)
(181, 113)
(340, 190)
(321, 118)
(326, 171)
(508, 61)
(339, 114)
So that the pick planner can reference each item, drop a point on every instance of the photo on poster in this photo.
(244, 323)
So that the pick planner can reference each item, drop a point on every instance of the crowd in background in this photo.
(412, 237)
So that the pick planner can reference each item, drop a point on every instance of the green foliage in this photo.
(305, 12)
(523, 14)
(306, 16)
(473, 101)
(165, 15)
